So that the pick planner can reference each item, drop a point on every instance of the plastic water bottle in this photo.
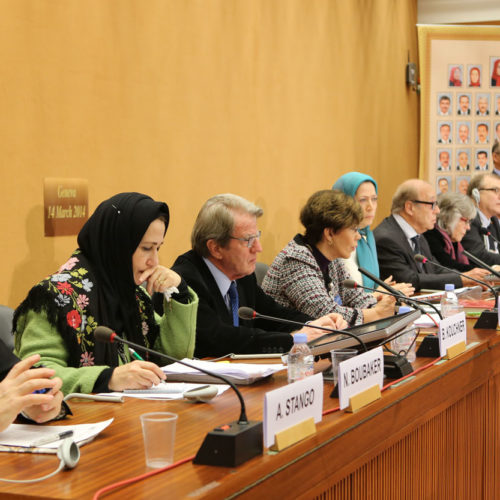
(405, 341)
(449, 302)
(300, 359)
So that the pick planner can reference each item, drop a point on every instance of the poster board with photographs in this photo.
(460, 103)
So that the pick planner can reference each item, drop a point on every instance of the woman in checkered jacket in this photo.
(307, 274)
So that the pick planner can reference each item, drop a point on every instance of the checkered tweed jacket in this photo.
(295, 280)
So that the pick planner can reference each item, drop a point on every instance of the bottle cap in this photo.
(300, 338)
(404, 309)
(449, 287)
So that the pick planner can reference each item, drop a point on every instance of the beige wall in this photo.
(184, 99)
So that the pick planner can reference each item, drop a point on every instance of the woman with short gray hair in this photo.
(455, 214)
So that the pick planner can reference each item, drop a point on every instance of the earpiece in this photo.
(201, 394)
(69, 453)
(476, 195)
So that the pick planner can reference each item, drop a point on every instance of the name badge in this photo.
(292, 404)
(360, 373)
(452, 330)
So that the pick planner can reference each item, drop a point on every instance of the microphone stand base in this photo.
(232, 444)
(429, 347)
(396, 367)
(488, 320)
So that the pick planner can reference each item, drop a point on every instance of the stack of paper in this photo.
(238, 373)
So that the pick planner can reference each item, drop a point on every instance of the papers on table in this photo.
(166, 391)
(19, 437)
(238, 373)
(425, 322)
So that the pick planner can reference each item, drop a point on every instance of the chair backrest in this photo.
(260, 271)
(6, 315)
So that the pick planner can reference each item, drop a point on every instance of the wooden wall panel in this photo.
(183, 100)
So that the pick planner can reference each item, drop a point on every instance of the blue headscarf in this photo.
(366, 250)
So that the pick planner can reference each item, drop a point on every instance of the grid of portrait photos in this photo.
(467, 122)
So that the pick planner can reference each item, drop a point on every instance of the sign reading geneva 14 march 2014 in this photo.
(66, 205)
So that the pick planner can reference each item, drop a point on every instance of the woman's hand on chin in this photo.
(160, 279)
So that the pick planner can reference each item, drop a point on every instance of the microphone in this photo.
(488, 318)
(416, 303)
(486, 232)
(481, 263)
(229, 445)
(382, 283)
(249, 313)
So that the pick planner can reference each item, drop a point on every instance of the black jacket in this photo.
(473, 241)
(215, 333)
(395, 257)
(436, 244)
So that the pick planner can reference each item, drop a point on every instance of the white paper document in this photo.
(23, 435)
(238, 373)
(166, 390)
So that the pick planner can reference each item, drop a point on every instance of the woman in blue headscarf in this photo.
(363, 189)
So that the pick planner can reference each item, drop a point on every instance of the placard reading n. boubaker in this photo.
(66, 205)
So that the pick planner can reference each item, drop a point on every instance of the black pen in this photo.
(51, 438)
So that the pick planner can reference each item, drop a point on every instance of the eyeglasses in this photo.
(467, 221)
(494, 190)
(250, 240)
(432, 204)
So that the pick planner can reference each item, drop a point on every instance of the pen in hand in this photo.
(134, 354)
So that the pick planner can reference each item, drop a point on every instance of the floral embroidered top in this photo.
(59, 316)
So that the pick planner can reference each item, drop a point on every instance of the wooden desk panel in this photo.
(437, 436)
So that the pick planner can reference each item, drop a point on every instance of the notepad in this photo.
(18, 437)
(237, 373)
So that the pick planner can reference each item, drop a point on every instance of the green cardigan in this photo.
(177, 338)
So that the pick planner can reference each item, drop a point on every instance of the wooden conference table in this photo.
(436, 436)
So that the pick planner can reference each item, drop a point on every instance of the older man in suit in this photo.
(220, 268)
(484, 189)
(398, 239)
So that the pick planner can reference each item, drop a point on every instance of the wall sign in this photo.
(66, 205)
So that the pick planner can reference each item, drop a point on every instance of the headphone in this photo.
(476, 195)
(68, 454)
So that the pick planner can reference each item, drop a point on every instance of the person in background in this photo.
(398, 238)
(495, 156)
(220, 267)
(100, 285)
(495, 74)
(308, 273)
(474, 77)
(455, 77)
(484, 190)
(463, 105)
(444, 105)
(364, 190)
(20, 390)
(455, 214)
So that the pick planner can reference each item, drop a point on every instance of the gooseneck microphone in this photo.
(481, 263)
(486, 232)
(422, 259)
(382, 283)
(488, 318)
(249, 313)
(229, 445)
(417, 303)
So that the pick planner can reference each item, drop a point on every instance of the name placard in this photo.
(292, 404)
(66, 205)
(360, 373)
(452, 330)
